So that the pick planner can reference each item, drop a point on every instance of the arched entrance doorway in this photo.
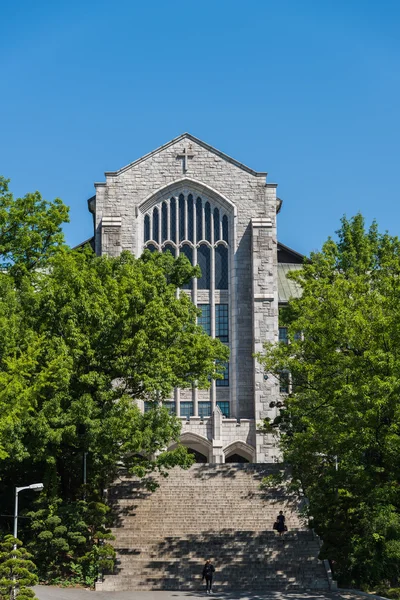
(236, 458)
(197, 445)
(239, 452)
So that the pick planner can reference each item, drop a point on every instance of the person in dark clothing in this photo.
(280, 520)
(208, 573)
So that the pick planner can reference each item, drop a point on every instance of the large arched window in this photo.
(199, 228)
(188, 221)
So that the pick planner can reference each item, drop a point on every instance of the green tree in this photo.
(16, 571)
(99, 336)
(339, 428)
(30, 234)
(30, 229)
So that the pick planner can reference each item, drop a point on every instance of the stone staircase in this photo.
(210, 511)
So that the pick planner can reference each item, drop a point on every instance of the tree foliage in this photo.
(30, 229)
(17, 571)
(340, 425)
(83, 341)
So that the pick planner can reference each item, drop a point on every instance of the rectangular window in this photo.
(187, 409)
(204, 409)
(284, 382)
(170, 406)
(225, 381)
(204, 320)
(147, 406)
(222, 322)
(283, 335)
(224, 406)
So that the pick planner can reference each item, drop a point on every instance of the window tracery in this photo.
(182, 220)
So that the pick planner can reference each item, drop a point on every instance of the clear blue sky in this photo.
(308, 90)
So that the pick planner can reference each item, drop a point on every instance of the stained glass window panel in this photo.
(216, 225)
(225, 229)
(222, 322)
(221, 268)
(172, 216)
(187, 409)
(224, 407)
(204, 409)
(199, 219)
(170, 248)
(164, 222)
(188, 252)
(207, 216)
(170, 406)
(204, 262)
(205, 318)
(155, 225)
(283, 335)
(190, 232)
(152, 248)
(181, 217)
(225, 381)
(146, 228)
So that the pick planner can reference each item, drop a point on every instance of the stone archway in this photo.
(239, 452)
(198, 445)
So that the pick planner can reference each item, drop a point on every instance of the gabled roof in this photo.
(188, 136)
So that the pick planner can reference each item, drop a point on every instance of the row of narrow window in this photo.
(187, 410)
(174, 221)
(204, 261)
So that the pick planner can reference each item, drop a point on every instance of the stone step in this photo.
(163, 538)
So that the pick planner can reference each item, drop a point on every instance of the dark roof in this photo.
(288, 255)
(88, 242)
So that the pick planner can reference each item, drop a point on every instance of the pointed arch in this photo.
(191, 186)
(242, 449)
(195, 442)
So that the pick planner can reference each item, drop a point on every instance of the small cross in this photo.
(187, 153)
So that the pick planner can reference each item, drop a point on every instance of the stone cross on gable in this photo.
(187, 153)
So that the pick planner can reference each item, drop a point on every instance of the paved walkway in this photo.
(55, 593)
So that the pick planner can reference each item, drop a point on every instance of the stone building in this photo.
(187, 197)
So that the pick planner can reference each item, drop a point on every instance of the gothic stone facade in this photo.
(186, 196)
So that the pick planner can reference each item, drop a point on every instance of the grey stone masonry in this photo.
(188, 167)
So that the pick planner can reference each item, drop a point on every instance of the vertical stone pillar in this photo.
(217, 443)
(265, 327)
(177, 395)
(111, 235)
